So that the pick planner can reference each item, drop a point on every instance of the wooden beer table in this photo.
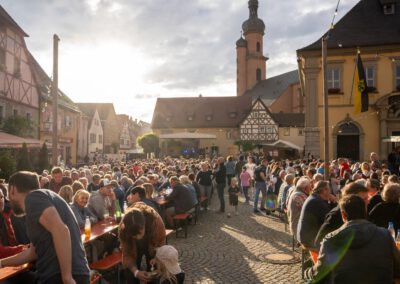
(99, 229)
(11, 271)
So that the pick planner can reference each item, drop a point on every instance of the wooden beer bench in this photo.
(110, 263)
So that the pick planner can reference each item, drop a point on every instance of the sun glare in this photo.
(103, 70)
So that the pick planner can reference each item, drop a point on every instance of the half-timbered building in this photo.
(259, 126)
(283, 132)
(19, 95)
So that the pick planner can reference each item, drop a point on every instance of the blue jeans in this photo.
(220, 189)
(260, 186)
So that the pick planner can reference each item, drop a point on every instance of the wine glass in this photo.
(106, 216)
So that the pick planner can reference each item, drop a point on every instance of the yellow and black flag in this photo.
(360, 88)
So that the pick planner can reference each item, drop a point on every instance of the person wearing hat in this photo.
(102, 201)
(167, 264)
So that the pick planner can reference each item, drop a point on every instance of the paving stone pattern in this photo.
(228, 250)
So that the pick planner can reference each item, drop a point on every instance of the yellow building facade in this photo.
(374, 31)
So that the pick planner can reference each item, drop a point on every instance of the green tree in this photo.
(43, 158)
(245, 146)
(18, 125)
(24, 162)
(7, 164)
(149, 142)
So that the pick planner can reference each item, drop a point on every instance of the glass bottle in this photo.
(118, 213)
(392, 231)
(88, 228)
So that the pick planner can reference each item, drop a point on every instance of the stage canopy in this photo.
(188, 135)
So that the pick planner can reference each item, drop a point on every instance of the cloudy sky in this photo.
(130, 52)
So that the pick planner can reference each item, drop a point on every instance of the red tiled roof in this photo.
(200, 112)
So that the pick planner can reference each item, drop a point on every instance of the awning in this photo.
(284, 144)
(188, 135)
(135, 151)
(12, 141)
(391, 139)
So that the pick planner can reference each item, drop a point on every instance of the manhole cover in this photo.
(279, 258)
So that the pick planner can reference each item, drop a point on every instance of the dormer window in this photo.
(233, 114)
(209, 117)
(389, 9)
(190, 117)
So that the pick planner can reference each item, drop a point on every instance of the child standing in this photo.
(168, 268)
(234, 195)
(245, 180)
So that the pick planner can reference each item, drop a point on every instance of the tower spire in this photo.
(253, 8)
(253, 23)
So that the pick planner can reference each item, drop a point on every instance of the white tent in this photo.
(285, 144)
(188, 135)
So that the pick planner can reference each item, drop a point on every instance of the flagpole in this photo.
(326, 104)
(54, 89)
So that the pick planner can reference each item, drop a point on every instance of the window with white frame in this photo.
(100, 138)
(68, 122)
(370, 76)
(334, 78)
(92, 138)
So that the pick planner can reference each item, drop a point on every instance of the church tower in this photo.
(251, 63)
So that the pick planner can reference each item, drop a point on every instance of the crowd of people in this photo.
(342, 221)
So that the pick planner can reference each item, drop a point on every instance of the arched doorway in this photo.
(348, 141)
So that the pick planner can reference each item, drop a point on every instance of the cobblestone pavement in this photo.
(230, 250)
